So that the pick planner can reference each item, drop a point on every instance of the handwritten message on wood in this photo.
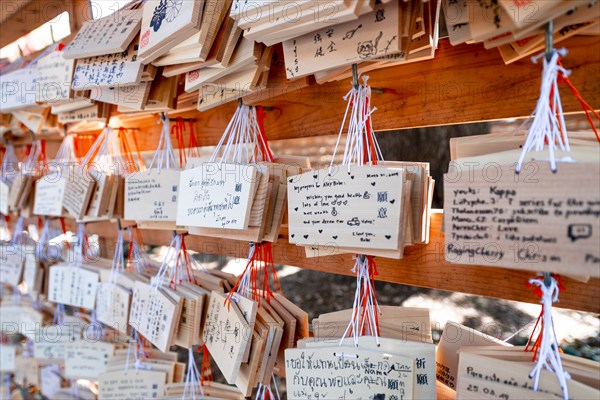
(134, 384)
(73, 286)
(112, 305)
(227, 335)
(109, 69)
(216, 195)
(152, 195)
(11, 267)
(78, 193)
(360, 208)
(53, 78)
(20, 318)
(8, 358)
(108, 35)
(153, 314)
(372, 35)
(49, 194)
(537, 220)
(85, 359)
(18, 89)
(347, 372)
(31, 273)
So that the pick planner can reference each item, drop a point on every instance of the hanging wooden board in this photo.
(112, 306)
(87, 360)
(216, 195)
(78, 194)
(359, 209)
(18, 89)
(536, 220)
(53, 78)
(72, 286)
(108, 70)
(226, 334)
(49, 196)
(151, 195)
(8, 358)
(347, 372)
(11, 267)
(108, 35)
(131, 384)
(164, 23)
(154, 314)
(374, 34)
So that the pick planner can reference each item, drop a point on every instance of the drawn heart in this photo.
(296, 209)
(315, 176)
(372, 183)
(335, 237)
(388, 237)
(320, 230)
(305, 236)
(352, 177)
(293, 235)
(392, 201)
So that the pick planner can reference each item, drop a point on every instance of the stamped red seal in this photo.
(193, 75)
(145, 39)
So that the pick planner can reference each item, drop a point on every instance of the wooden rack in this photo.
(461, 84)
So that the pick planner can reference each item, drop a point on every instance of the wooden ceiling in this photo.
(19, 17)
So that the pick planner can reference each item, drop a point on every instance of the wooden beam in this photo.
(23, 20)
(423, 265)
(462, 84)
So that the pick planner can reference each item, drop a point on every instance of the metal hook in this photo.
(547, 279)
(355, 76)
(549, 40)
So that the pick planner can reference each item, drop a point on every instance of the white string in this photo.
(364, 287)
(172, 251)
(118, 265)
(242, 142)
(30, 164)
(140, 258)
(244, 288)
(66, 151)
(19, 234)
(547, 119)
(549, 355)
(358, 113)
(192, 379)
(78, 256)
(105, 152)
(164, 155)
(135, 338)
(10, 164)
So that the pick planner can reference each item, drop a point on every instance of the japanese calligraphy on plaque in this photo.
(372, 35)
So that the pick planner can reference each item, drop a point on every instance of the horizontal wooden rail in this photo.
(461, 84)
(423, 265)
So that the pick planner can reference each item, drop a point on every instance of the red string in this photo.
(131, 165)
(137, 149)
(264, 143)
(64, 229)
(535, 344)
(206, 375)
(192, 144)
(586, 107)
